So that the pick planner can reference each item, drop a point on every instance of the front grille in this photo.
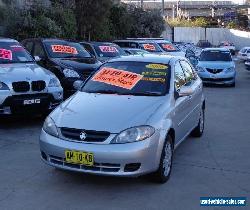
(21, 86)
(217, 79)
(104, 167)
(91, 136)
(38, 85)
(214, 71)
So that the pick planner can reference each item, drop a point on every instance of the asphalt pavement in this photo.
(218, 164)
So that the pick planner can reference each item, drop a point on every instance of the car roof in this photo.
(97, 43)
(48, 39)
(215, 48)
(2, 39)
(133, 40)
(132, 48)
(150, 58)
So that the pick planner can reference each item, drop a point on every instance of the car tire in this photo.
(163, 173)
(199, 129)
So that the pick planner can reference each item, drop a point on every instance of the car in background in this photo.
(169, 48)
(204, 44)
(127, 119)
(103, 51)
(149, 46)
(69, 61)
(135, 51)
(244, 53)
(25, 87)
(247, 64)
(228, 45)
(216, 66)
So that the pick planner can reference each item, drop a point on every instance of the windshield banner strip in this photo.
(116, 77)
(5, 54)
(64, 49)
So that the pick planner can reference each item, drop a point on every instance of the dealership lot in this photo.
(215, 165)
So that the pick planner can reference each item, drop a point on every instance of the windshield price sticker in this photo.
(156, 66)
(168, 47)
(152, 79)
(116, 77)
(109, 49)
(64, 49)
(5, 54)
(154, 73)
(149, 47)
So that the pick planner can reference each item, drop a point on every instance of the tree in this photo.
(92, 17)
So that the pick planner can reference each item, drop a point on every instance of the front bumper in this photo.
(14, 104)
(247, 65)
(131, 159)
(220, 78)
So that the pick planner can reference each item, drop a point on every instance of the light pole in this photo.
(142, 4)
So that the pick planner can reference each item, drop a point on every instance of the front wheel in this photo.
(162, 175)
(199, 129)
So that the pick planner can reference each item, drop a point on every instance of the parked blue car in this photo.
(216, 66)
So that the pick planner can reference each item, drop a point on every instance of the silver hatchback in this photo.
(127, 119)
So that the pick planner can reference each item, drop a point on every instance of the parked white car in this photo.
(244, 53)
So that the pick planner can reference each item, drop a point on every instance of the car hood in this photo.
(106, 112)
(23, 72)
(78, 64)
(216, 64)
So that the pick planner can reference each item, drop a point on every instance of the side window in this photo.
(38, 50)
(89, 49)
(29, 46)
(188, 71)
(179, 76)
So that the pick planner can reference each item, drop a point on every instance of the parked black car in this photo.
(69, 61)
(103, 51)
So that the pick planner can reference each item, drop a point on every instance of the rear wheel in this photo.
(162, 175)
(199, 129)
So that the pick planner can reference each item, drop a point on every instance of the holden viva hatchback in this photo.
(25, 86)
(127, 119)
(216, 66)
(69, 61)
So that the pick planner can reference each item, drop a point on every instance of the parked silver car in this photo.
(127, 119)
(25, 86)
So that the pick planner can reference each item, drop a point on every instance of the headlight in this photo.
(133, 134)
(200, 69)
(54, 82)
(3, 86)
(70, 73)
(49, 127)
(231, 69)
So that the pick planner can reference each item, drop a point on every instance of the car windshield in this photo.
(168, 47)
(215, 55)
(150, 47)
(130, 78)
(64, 49)
(13, 52)
(138, 51)
(108, 50)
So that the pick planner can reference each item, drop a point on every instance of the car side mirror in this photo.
(185, 91)
(37, 58)
(78, 84)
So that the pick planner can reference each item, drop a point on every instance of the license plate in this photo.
(31, 101)
(77, 157)
(213, 76)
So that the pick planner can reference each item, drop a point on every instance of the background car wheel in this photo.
(163, 173)
(199, 129)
